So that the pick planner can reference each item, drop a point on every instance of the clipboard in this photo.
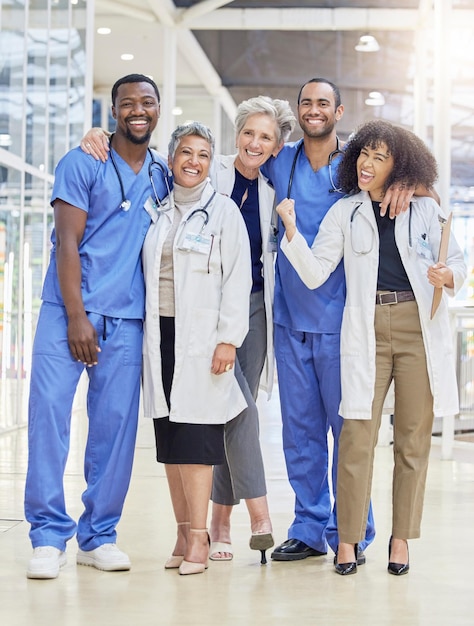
(442, 256)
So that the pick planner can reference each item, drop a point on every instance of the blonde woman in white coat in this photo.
(196, 263)
(392, 263)
(262, 126)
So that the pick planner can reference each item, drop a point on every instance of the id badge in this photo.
(151, 209)
(272, 240)
(196, 242)
(423, 248)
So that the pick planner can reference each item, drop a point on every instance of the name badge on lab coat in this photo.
(197, 242)
(151, 209)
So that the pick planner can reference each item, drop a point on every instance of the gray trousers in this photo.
(242, 476)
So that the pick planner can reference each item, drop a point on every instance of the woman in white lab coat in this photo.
(196, 262)
(391, 268)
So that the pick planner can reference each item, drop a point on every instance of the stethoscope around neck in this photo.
(126, 204)
(331, 157)
(361, 250)
(202, 210)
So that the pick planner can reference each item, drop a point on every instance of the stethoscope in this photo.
(361, 252)
(126, 204)
(200, 211)
(203, 210)
(331, 157)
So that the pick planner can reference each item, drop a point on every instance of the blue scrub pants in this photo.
(112, 407)
(308, 366)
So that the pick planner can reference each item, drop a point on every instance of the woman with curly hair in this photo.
(390, 262)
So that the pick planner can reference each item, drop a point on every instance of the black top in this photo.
(245, 196)
(392, 275)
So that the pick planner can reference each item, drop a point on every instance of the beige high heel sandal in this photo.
(189, 567)
(174, 561)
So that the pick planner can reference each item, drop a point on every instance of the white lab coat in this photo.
(223, 179)
(211, 306)
(354, 235)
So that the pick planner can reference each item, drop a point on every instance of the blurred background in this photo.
(407, 61)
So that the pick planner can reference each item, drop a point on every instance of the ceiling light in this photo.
(127, 57)
(104, 30)
(177, 111)
(375, 99)
(367, 43)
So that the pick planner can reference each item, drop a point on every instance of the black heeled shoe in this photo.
(397, 569)
(262, 542)
(361, 558)
(345, 569)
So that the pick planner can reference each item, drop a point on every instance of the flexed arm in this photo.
(313, 265)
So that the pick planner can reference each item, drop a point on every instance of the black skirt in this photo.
(182, 443)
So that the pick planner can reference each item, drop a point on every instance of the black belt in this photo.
(394, 297)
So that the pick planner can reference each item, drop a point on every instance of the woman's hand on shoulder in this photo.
(96, 143)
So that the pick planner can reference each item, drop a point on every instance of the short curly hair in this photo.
(413, 163)
(190, 128)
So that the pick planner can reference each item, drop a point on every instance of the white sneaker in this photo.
(106, 557)
(46, 562)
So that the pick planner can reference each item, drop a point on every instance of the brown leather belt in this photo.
(394, 297)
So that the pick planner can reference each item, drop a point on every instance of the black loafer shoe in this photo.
(294, 550)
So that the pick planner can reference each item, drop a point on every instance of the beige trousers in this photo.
(400, 356)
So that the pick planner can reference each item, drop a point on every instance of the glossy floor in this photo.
(438, 590)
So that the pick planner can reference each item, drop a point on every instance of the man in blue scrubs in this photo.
(307, 328)
(91, 318)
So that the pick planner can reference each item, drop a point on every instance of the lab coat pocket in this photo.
(203, 254)
(203, 334)
(354, 340)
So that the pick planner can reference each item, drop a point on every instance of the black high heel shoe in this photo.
(262, 542)
(397, 569)
(345, 569)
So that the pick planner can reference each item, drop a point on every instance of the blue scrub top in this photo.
(295, 306)
(110, 250)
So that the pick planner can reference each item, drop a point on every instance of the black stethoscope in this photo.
(331, 157)
(126, 204)
(366, 250)
(203, 210)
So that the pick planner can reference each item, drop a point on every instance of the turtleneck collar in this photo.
(188, 195)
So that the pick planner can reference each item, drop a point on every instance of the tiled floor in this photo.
(438, 591)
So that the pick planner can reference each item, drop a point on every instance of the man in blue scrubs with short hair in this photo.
(307, 328)
(91, 318)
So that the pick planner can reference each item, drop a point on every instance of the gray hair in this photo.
(191, 128)
(278, 110)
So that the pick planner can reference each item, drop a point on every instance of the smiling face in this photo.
(191, 161)
(317, 112)
(257, 141)
(373, 169)
(136, 110)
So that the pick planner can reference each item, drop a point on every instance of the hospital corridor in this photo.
(436, 592)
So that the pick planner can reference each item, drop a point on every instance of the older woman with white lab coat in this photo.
(196, 261)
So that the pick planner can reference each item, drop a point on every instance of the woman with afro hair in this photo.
(387, 332)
